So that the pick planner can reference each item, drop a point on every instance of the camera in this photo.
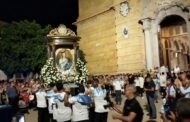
(110, 103)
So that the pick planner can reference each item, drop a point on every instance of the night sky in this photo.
(53, 12)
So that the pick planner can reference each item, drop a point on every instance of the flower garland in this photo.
(82, 72)
(49, 73)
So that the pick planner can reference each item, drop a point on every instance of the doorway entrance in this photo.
(173, 43)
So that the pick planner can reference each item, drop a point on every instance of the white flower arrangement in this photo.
(49, 73)
(82, 72)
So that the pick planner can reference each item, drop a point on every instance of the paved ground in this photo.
(32, 117)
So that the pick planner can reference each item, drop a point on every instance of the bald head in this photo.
(130, 88)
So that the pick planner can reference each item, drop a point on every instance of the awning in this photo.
(3, 76)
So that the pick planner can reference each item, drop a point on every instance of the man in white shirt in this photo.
(50, 98)
(163, 69)
(141, 82)
(99, 94)
(117, 88)
(137, 85)
(163, 78)
(80, 110)
(62, 113)
(42, 104)
(177, 70)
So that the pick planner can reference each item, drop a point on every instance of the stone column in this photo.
(155, 44)
(188, 30)
(148, 43)
(49, 51)
(53, 53)
(75, 52)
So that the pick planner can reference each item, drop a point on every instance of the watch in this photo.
(124, 8)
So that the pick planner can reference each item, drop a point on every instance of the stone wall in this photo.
(130, 51)
(98, 43)
(101, 27)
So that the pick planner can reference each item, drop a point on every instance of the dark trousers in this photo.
(91, 114)
(82, 121)
(138, 90)
(100, 117)
(68, 121)
(141, 92)
(33, 103)
(13, 101)
(118, 96)
(51, 118)
(163, 91)
(172, 103)
(23, 110)
(43, 115)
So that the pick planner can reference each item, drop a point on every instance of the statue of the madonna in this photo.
(64, 60)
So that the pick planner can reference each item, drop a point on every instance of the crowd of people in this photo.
(92, 100)
(19, 94)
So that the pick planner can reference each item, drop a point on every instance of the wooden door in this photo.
(174, 41)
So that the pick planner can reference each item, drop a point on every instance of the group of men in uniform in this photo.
(89, 105)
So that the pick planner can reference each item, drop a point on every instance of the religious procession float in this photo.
(65, 61)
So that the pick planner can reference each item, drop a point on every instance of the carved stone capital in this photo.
(146, 22)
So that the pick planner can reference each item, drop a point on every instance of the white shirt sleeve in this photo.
(173, 91)
(45, 94)
(184, 91)
(72, 100)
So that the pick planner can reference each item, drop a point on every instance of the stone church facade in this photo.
(145, 34)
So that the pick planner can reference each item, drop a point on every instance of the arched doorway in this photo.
(173, 37)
